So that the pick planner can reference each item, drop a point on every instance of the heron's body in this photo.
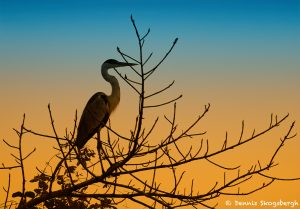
(94, 117)
(99, 107)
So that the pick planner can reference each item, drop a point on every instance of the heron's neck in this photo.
(114, 98)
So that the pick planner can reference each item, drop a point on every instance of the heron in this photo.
(100, 106)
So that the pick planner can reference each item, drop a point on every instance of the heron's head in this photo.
(111, 63)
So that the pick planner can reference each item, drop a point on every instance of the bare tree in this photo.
(128, 166)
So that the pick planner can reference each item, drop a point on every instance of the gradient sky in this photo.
(242, 56)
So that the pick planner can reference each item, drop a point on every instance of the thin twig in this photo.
(165, 103)
(7, 192)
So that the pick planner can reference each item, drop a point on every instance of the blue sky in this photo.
(217, 30)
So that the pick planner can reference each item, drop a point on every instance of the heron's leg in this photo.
(99, 148)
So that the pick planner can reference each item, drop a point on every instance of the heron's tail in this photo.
(79, 143)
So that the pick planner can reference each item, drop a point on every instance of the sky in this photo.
(241, 56)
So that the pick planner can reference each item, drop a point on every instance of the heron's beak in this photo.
(124, 64)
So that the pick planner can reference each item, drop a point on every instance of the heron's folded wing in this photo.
(94, 116)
